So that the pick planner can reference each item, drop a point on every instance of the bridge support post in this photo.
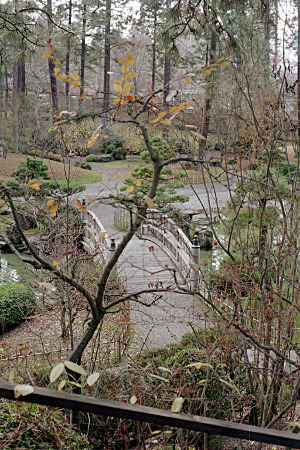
(82, 218)
(196, 260)
(112, 246)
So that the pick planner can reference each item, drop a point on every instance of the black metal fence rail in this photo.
(152, 415)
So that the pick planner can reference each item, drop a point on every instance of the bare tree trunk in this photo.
(167, 79)
(298, 55)
(83, 47)
(22, 75)
(208, 100)
(53, 84)
(1, 92)
(15, 105)
(15, 100)
(154, 52)
(276, 34)
(68, 53)
(267, 21)
(106, 77)
(6, 92)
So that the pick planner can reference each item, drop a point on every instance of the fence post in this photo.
(81, 211)
(195, 259)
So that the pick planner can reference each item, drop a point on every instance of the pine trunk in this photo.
(167, 79)
(106, 77)
(298, 54)
(208, 100)
(83, 48)
(51, 66)
(68, 54)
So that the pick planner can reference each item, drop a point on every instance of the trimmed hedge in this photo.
(16, 303)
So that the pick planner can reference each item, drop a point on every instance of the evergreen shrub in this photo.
(16, 303)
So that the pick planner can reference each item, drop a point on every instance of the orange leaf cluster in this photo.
(123, 86)
(72, 78)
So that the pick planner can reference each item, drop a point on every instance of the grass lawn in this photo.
(129, 163)
(57, 170)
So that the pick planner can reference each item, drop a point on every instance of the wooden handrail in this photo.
(152, 415)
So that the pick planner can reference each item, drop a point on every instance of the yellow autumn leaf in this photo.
(53, 209)
(127, 87)
(226, 63)
(186, 81)
(36, 185)
(130, 189)
(79, 204)
(207, 72)
(159, 117)
(91, 240)
(166, 122)
(127, 99)
(117, 86)
(130, 59)
(220, 59)
(82, 97)
(125, 68)
(61, 385)
(46, 55)
(122, 60)
(75, 76)
(211, 65)
(174, 109)
(200, 136)
(149, 201)
(51, 201)
(51, 128)
(76, 84)
(102, 236)
(137, 182)
(131, 75)
(183, 105)
(117, 99)
(57, 69)
(57, 63)
(55, 263)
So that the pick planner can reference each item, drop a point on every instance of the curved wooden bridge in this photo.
(157, 259)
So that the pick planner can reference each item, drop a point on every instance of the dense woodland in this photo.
(188, 89)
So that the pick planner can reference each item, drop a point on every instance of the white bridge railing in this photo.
(164, 231)
(95, 236)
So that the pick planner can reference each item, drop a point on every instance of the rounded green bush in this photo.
(119, 154)
(16, 303)
(90, 158)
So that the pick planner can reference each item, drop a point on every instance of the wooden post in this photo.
(196, 260)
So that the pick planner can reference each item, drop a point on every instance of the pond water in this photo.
(12, 270)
